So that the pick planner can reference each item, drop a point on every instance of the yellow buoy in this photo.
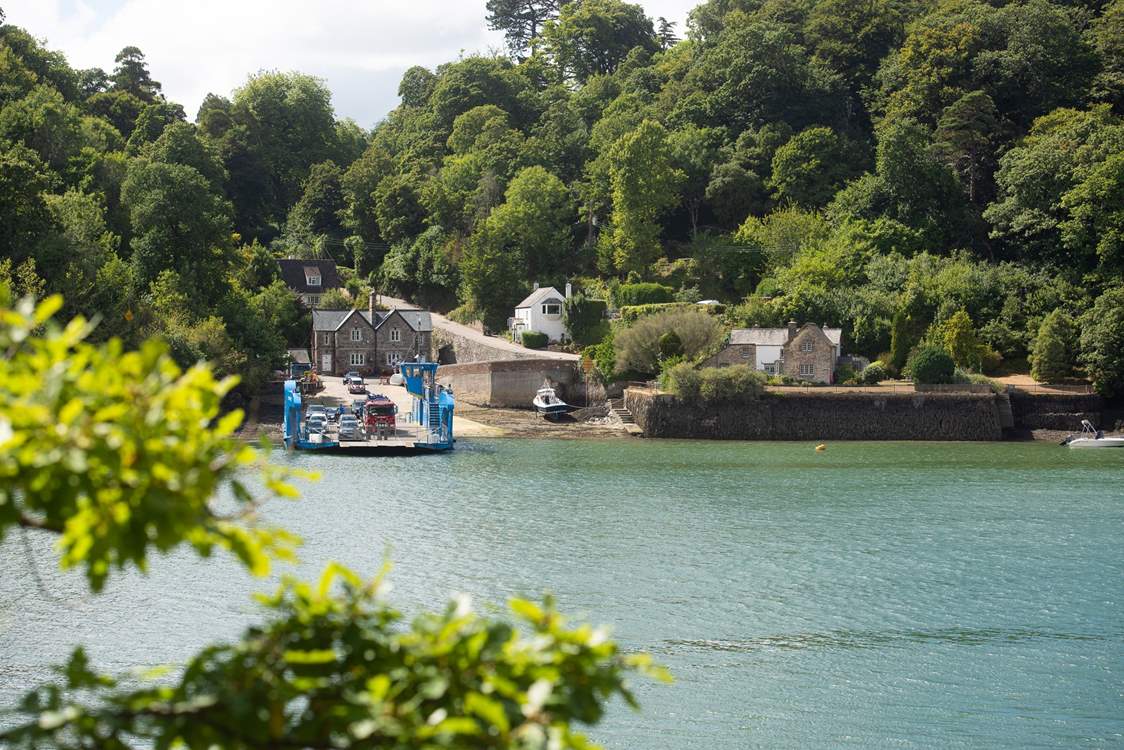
(821, 447)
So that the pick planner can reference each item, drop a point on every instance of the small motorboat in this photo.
(548, 404)
(1091, 437)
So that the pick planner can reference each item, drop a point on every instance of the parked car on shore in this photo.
(350, 376)
(356, 385)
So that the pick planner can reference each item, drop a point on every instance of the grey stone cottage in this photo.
(369, 341)
(806, 352)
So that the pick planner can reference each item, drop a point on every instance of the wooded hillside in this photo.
(880, 165)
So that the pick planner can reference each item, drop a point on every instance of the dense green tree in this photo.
(1034, 177)
(961, 341)
(416, 86)
(756, 73)
(475, 81)
(150, 123)
(24, 217)
(42, 66)
(521, 21)
(1102, 342)
(966, 138)
(1096, 215)
(733, 192)
(179, 224)
(695, 152)
(811, 168)
(593, 37)
(854, 37)
(1055, 348)
(358, 184)
(319, 210)
(398, 208)
(46, 123)
(131, 75)
(1107, 34)
(643, 183)
(289, 126)
(422, 270)
(119, 108)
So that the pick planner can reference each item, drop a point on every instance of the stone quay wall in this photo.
(1056, 411)
(511, 383)
(821, 416)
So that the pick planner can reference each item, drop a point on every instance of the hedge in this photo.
(644, 293)
(633, 313)
(535, 340)
(736, 382)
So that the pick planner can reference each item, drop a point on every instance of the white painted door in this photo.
(325, 364)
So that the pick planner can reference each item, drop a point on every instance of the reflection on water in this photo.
(876, 595)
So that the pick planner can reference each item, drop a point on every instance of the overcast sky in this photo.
(359, 47)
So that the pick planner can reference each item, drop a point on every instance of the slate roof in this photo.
(331, 320)
(419, 320)
(775, 336)
(300, 356)
(293, 274)
(759, 336)
(538, 296)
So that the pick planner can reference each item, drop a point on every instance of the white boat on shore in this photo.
(1091, 437)
(548, 404)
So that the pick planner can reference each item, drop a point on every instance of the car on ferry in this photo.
(350, 429)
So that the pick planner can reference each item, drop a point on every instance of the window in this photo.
(326, 339)
(771, 369)
(357, 359)
(807, 370)
(806, 345)
(311, 276)
(313, 300)
(552, 309)
(356, 334)
(745, 352)
(393, 358)
(395, 335)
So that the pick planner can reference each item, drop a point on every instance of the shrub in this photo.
(670, 346)
(874, 373)
(638, 347)
(1102, 342)
(585, 319)
(535, 340)
(930, 365)
(844, 374)
(1051, 358)
(736, 382)
(643, 293)
(603, 356)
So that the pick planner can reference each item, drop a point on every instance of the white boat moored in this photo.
(1091, 437)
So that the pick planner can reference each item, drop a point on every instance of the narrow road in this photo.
(457, 329)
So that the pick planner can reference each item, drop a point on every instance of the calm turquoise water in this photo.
(876, 595)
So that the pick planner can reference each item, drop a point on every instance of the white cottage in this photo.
(542, 312)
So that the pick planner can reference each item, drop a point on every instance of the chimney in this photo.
(371, 305)
(569, 289)
(792, 328)
(536, 287)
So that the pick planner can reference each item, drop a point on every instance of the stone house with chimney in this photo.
(804, 353)
(369, 341)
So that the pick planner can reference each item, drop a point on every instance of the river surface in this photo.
(889, 595)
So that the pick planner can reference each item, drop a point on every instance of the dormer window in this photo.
(552, 308)
(311, 276)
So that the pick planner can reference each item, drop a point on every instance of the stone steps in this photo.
(617, 407)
